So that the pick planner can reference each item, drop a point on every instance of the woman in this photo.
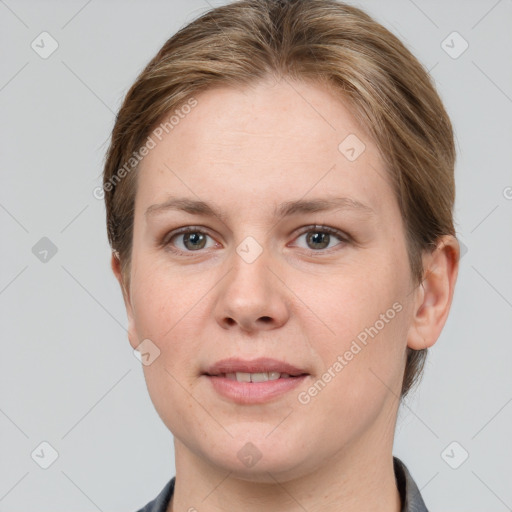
(279, 192)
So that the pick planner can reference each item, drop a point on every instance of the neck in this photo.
(358, 481)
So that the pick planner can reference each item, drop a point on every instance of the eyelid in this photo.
(319, 227)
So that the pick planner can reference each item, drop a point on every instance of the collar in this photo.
(409, 492)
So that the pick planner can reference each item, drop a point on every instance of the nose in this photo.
(252, 296)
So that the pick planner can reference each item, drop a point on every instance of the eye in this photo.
(189, 239)
(319, 238)
(194, 239)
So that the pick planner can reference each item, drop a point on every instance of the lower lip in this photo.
(254, 392)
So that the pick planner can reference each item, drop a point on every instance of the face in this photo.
(302, 266)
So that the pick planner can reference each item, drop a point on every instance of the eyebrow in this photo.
(197, 207)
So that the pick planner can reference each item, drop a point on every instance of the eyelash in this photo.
(343, 237)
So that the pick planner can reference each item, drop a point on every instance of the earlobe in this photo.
(434, 294)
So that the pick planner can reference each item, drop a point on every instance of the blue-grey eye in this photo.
(194, 241)
(318, 239)
(190, 240)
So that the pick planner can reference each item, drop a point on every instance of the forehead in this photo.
(278, 117)
(272, 142)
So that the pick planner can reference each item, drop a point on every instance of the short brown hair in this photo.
(325, 41)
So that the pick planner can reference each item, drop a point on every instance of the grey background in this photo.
(67, 373)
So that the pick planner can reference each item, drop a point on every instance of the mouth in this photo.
(255, 377)
(255, 370)
(255, 381)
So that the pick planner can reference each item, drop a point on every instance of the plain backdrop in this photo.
(68, 376)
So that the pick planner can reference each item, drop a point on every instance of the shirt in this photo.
(409, 492)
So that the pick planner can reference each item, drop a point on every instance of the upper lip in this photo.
(260, 365)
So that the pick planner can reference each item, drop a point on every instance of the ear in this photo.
(435, 293)
(115, 263)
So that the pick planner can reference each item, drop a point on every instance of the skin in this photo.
(244, 152)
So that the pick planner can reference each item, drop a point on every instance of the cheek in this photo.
(171, 309)
(172, 396)
(164, 312)
(362, 372)
(359, 330)
(163, 298)
(345, 303)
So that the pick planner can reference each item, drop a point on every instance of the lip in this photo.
(262, 364)
(253, 392)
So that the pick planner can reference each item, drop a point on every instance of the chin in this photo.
(263, 461)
